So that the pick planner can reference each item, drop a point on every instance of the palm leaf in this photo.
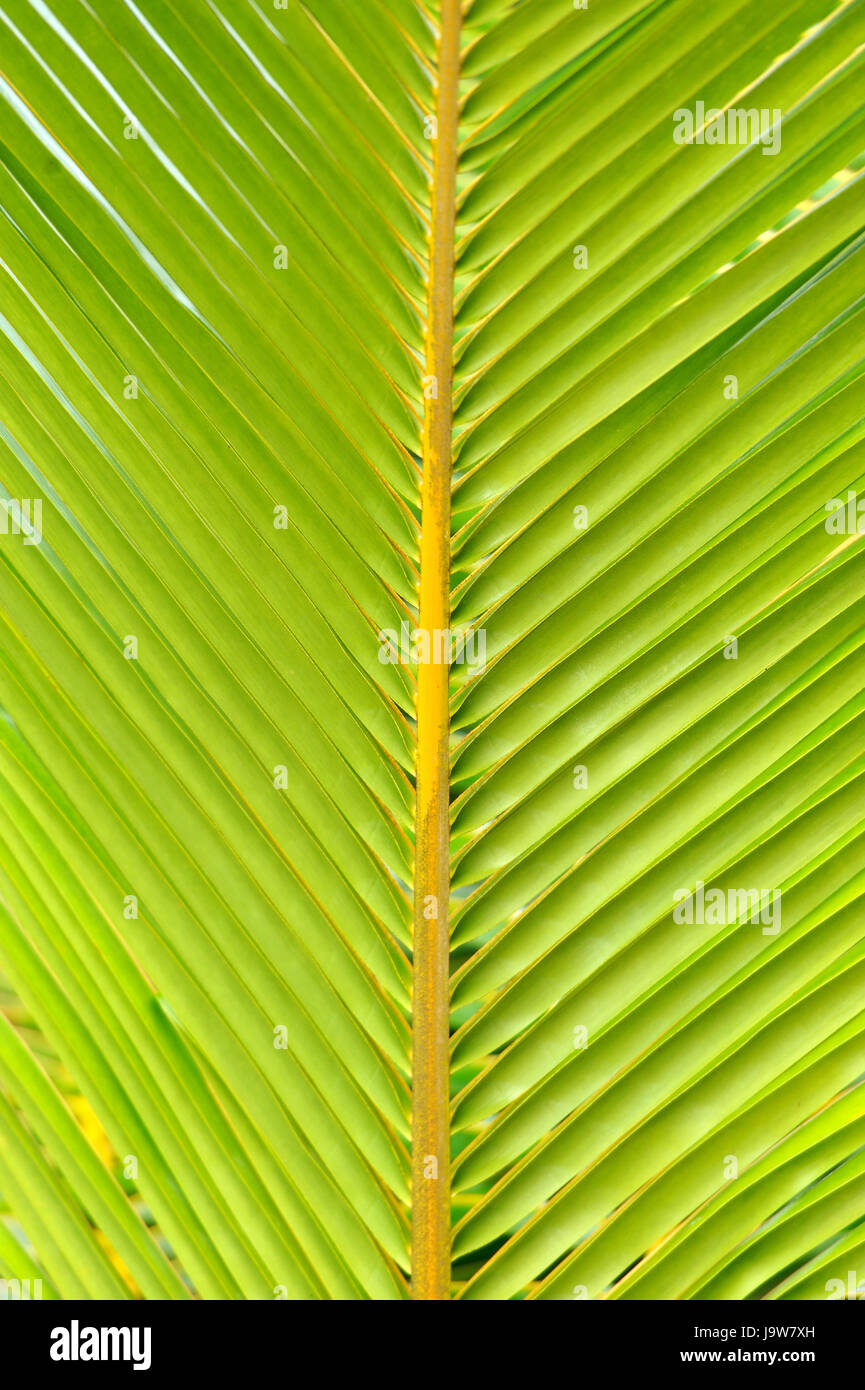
(321, 325)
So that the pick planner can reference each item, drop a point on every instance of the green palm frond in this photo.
(300, 299)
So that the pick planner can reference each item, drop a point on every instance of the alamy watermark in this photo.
(22, 518)
(439, 647)
(721, 907)
(854, 1288)
(846, 515)
(733, 126)
(20, 1290)
(77, 1343)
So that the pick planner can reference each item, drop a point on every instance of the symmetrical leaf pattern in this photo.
(221, 247)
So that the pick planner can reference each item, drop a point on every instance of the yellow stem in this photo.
(430, 1026)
